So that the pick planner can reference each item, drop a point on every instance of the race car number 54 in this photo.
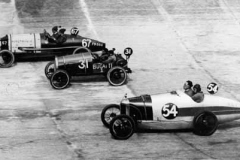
(169, 111)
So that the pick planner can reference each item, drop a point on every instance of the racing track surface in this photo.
(173, 41)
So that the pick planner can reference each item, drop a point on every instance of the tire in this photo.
(7, 59)
(117, 76)
(122, 127)
(205, 124)
(81, 48)
(60, 79)
(108, 113)
(49, 70)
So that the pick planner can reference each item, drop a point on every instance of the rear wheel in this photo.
(117, 76)
(60, 79)
(7, 59)
(122, 127)
(108, 113)
(205, 124)
(49, 69)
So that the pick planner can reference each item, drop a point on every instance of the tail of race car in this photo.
(6, 57)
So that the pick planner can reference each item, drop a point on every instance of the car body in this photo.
(85, 63)
(170, 111)
(14, 47)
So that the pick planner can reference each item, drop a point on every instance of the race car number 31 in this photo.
(169, 111)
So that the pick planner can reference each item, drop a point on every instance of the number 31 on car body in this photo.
(83, 64)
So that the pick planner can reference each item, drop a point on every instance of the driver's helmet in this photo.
(189, 83)
(74, 31)
(62, 30)
(55, 29)
(197, 88)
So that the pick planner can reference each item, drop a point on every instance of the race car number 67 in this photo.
(169, 111)
(86, 42)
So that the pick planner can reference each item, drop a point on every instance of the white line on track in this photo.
(170, 23)
(10, 18)
(91, 26)
(87, 15)
(225, 7)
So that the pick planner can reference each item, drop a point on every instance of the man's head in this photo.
(187, 85)
(55, 29)
(62, 30)
(197, 88)
(105, 51)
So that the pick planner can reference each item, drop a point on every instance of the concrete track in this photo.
(173, 41)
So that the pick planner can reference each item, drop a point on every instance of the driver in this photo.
(57, 36)
(108, 56)
(188, 88)
(198, 94)
(55, 32)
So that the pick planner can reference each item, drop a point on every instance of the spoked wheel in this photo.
(6, 59)
(49, 69)
(81, 50)
(205, 124)
(122, 127)
(117, 76)
(60, 79)
(108, 113)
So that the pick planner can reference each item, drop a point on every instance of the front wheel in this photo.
(205, 124)
(122, 127)
(60, 79)
(108, 113)
(49, 69)
(117, 76)
(7, 59)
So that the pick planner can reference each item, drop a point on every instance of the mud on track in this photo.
(173, 41)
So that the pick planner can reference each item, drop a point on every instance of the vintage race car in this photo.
(87, 63)
(169, 111)
(35, 45)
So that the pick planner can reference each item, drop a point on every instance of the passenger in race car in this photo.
(188, 88)
(198, 94)
(62, 37)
